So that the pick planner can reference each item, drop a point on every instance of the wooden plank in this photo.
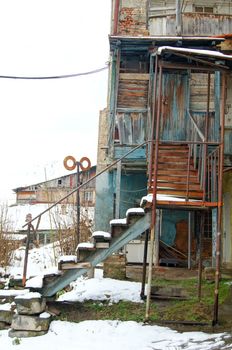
(180, 166)
(172, 185)
(164, 159)
(169, 153)
(165, 171)
(178, 179)
(134, 76)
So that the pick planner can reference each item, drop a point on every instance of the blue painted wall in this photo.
(170, 219)
(133, 188)
(104, 207)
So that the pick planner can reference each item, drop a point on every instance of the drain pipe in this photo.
(116, 16)
(178, 18)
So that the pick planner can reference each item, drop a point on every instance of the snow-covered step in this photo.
(119, 225)
(68, 262)
(135, 212)
(101, 236)
(83, 250)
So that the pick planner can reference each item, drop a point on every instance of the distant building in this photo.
(36, 198)
(52, 190)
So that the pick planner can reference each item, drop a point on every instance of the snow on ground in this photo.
(101, 335)
(40, 261)
(114, 335)
(101, 289)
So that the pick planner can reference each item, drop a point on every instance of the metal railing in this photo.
(29, 222)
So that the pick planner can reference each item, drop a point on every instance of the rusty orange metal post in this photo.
(26, 255)
(219, 222)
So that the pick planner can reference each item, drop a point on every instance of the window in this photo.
(59, 182)
(204, 9)
(88, 196)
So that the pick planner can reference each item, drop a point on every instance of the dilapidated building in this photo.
(53, 190)
(168, 122)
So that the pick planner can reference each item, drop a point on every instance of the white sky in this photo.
(44, 121)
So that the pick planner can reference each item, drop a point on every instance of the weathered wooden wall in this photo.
(162, 17)
(174, 107)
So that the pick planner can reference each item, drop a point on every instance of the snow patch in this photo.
(5, 307)
(29, 295)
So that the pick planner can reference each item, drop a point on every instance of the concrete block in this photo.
(4, 325)
(31, 306)
(30, 323)
(6, 316)
(24, 334)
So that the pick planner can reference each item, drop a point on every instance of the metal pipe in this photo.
(188, 174)
(144, 264)
(206, 139)
(116, 16)
(219, 228)
(78, 204)
(153, 123)
(153, 219)
(189, 240)
(200, 256)
(26, 255)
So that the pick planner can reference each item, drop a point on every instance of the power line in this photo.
(54, 76)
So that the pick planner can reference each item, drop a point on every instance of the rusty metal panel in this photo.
(198, 92)
(132, 91)
(174, 106)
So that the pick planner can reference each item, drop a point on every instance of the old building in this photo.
(36, 198)
(51, 191)
(169, 99)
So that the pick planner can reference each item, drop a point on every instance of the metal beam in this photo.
(95, 258)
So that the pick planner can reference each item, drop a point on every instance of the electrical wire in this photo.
(54, 76)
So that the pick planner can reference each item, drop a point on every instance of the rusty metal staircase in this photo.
(185, 174)
(173, 178)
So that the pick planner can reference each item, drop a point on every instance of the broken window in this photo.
(204, 9)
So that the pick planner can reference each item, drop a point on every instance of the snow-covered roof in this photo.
(208, 53)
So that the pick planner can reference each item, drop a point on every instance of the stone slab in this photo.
(30, 323)
(6, 316)
(24, 334)
(30, 306)
(4, 325)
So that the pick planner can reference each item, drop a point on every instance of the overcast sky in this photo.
(44, 121)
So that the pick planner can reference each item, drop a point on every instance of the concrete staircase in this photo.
(103, 245)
